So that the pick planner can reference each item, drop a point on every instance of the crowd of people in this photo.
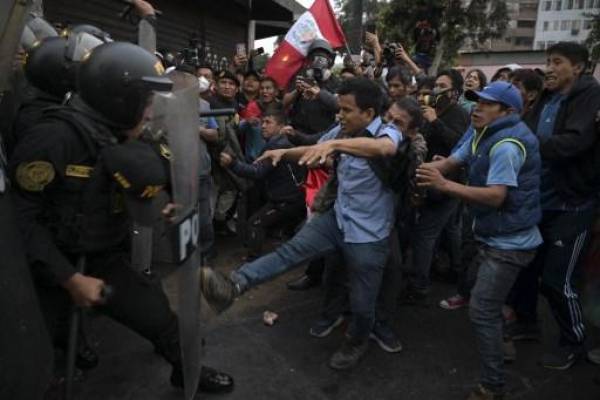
(377, 176)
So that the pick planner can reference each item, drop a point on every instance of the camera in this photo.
(389, 53)
(429, 100)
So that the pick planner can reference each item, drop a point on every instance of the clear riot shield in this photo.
(13, 15)
(176, 116)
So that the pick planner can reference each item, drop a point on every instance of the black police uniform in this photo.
(71, 202)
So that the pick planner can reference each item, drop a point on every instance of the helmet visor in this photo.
(80, 45)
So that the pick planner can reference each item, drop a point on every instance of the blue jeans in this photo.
(318, 237)
(498, 271)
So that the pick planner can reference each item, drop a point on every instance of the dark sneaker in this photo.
(594, 355)
(211, 380)
(385, 337)
(349, 354)
(323, 327)
(483, 393)
(561, 359)
(218, 289)
(523, 331)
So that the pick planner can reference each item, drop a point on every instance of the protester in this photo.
(565, 121)
(530, 84)
(474, 80)
(358, 225)
(285, 200)
(397, 80)
(503, 160)
(446, 121)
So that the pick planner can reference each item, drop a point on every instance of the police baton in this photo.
(76, 313)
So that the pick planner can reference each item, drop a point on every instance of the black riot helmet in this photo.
(117, 80)
(47, 68)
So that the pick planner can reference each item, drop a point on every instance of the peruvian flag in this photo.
(318, 22)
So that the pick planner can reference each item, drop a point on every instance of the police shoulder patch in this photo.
(34, 176)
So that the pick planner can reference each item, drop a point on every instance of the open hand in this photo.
(317, 155)
(429, 176)
(274, 156)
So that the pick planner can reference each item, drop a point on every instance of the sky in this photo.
(268, 43)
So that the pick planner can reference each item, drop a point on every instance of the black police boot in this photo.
(211, 380)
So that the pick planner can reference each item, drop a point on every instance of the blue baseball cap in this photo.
(498, 92)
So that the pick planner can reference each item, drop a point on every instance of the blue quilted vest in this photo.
(521, 209)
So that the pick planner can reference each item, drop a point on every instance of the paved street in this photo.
(439, 360)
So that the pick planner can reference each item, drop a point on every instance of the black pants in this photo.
(273, 214)
(138, 302)
(558, 261)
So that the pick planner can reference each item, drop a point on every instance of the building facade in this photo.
(564, 20)
(520, 32)
(218, 26)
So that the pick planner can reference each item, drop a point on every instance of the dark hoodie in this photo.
(573, 150)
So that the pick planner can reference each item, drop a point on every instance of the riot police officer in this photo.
(72, 172)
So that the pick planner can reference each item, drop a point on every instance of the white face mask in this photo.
(203, 84)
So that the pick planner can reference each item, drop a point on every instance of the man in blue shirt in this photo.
(503, 163)
(358, 224)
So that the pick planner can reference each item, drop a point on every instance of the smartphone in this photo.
(258, 52)
(240, 49)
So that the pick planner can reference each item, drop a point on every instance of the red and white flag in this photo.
(318, 22)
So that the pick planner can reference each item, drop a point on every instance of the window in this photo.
(589, 4)
(587, 24)
(597, 4)
(523, 41)
(525, 24)
(540, 45)
(569, 5)
(576, 25)
(579, 4)
(564, 25)
(558, 5)
(546, 23)
(556, 25)
(547, 6)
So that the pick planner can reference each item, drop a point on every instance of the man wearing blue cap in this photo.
(503, 162)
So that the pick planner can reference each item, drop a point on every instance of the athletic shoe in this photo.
(323, 327)
(561, 359)
(385, 337)
(454, 303)
(594, 355)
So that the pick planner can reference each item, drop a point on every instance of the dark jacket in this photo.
(521, 209)
(282, 183)
(573, 150)
(443, 133)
